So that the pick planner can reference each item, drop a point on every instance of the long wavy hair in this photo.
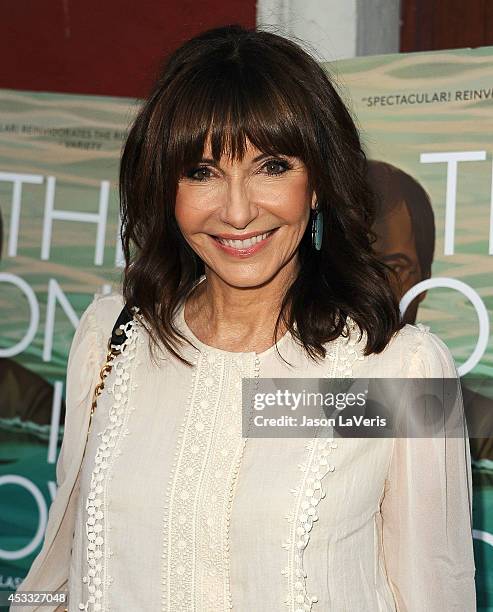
(234, 84)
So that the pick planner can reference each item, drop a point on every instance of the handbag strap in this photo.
(115, 346)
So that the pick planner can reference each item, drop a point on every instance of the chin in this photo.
(246, 278)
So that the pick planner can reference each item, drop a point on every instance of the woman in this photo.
(246, 215)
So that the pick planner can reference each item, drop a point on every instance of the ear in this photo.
(314, 201)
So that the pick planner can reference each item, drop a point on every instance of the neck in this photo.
(236, 318)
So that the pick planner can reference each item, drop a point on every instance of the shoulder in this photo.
(97, 321)
(424, 353)
(104, 309)
(413, 351)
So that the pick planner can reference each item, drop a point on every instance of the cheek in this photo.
(181, 213)
(297, 213)
(188, 213)
(290, 203)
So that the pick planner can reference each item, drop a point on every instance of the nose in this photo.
(238, 209)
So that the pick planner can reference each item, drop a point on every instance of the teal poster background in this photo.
(430, 114)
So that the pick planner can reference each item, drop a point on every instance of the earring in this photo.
(317, 228)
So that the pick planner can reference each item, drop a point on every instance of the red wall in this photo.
(110, 47)
(428, 25)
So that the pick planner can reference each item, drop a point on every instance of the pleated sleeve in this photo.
(86, 356)
(426, 508)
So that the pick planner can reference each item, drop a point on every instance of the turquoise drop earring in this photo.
(317, 228)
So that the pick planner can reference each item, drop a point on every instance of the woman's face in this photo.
(266, 197)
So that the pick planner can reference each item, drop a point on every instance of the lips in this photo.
(244, 248)
(246, 243)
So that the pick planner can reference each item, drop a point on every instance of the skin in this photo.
(396, 247)
(236, 307)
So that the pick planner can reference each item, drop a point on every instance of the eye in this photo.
(192, 173)
(280, 163)
(203, 173)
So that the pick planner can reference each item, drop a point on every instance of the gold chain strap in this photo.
(112, 352)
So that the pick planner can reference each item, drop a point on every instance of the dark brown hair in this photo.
(236, 84)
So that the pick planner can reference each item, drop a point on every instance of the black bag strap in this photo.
(115, 343)
(118, 336)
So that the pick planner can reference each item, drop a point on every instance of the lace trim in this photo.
(198, 500)
(237, 463)
(343, 353)
(96, 502)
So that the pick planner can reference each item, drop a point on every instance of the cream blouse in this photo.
(171, 509)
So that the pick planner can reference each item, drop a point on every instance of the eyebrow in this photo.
(212, 162)
(396, 256)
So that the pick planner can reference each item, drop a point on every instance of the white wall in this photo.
(335, 29)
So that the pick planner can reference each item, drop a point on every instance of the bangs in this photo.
(240, 104)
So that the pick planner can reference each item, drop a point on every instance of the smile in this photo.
(244, 247)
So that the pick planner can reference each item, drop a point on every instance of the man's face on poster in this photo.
(396, 247)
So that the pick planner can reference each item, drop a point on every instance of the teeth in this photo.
(244, 244)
